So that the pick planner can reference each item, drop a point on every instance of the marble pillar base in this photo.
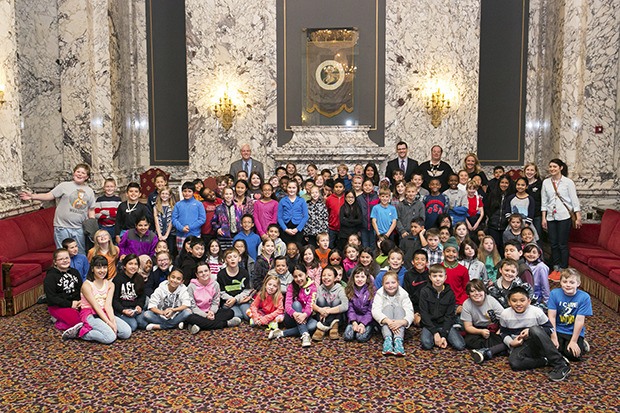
(329, 146)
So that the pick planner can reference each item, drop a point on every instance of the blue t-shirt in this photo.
(569, 307)
(384, 216)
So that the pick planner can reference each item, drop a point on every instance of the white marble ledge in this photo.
(330, 136)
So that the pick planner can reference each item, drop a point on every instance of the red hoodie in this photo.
(334, 203)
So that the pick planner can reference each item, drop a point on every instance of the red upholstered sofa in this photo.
(26, 247)
(595, 252)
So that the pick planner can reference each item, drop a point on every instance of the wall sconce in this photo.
(2, 101)
(437, 105)
(225, 110)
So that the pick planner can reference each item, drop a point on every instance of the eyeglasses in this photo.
(335, 259)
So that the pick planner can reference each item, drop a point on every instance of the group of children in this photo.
(312, 267)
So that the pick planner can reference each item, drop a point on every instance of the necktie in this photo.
(402, 165)
(247, 168)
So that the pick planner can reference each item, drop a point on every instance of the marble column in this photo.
(230, 43)
(10, 140)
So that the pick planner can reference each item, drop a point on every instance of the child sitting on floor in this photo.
(62, 287)
(330, 305)
(393, 311)
(206, 311)
(267, 309)
(233, 281)
(360, 291)
(169, 304)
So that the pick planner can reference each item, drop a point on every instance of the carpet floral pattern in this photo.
(239, 370)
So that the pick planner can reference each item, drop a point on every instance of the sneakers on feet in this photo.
(554, 276)
(399, 349)
(586, 346)
(277, 333)
(72, 332)
(388, 346)
(478, 355)
(149, 327)
(181, 325)
(305, 340)
(194, 329)
(559, 373)
(233, 322)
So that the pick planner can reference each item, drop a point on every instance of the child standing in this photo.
(300, 298)
(188, 215)
(408, 210)
(434, 203)
(468, 257)
(267, 309)
(333, 203)
(129, 297)
(521, 202)
(384, 216)
(456, 274)
(330, 305)
(367, 202)
(100, 323)
(226, 219)
(455, 196)
(210, 202)
(233, 281)
(62, 287)
(292, 214)
(263, 264)
(392, 309)
(437, 309)
(360, 292)
(129, 211)
(540, 272)
(162, 215)
(206, 311)
(106, 206)
(568, 309)
(480, 318)
(475, 207)
(139, 240)
(527, 332)
(317, 216)
(105, 247)
(265, 210)
(350, 219)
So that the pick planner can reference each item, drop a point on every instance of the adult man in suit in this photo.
(436, 168)
(408, 165)
(246, 163)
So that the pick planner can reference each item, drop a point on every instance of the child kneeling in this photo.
(393, 310)
(169, 305)
(206, 311)
(267, 309)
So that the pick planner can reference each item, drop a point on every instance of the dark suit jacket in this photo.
(237, 166)
(412, 166)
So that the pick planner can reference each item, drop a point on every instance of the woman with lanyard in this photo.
(559, 207)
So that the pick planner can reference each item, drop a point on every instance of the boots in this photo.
(333, 331)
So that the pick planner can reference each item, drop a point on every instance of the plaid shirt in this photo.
(434, 256)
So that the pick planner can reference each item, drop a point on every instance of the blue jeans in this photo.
(61, 233)
(350, 335)
(240, 310)
(135, 322)
(558, 232)
(294, 329)
(333, 236)
(153, 318)
(103, 333)
(454, 339)
(369, 238)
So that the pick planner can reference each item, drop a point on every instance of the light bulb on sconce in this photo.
(439, 100)
(225, 110)
(2, 101)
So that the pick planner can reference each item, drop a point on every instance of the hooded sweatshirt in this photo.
(205, 298)
(332, 297)
(437, 309)
(128, 292)
(360, 306)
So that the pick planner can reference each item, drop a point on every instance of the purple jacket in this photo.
(132, 243)
(360, 306)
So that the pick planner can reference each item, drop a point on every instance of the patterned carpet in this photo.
(238, 370)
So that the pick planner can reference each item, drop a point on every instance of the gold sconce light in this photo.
(2, 101)
(225, 110)
(437, 105)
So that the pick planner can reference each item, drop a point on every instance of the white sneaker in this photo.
(305, 340)
(149, 327)
(194, 329)
(181, 325)
(233, 322)
(277, 333)
(586, 346)
(72, 332)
